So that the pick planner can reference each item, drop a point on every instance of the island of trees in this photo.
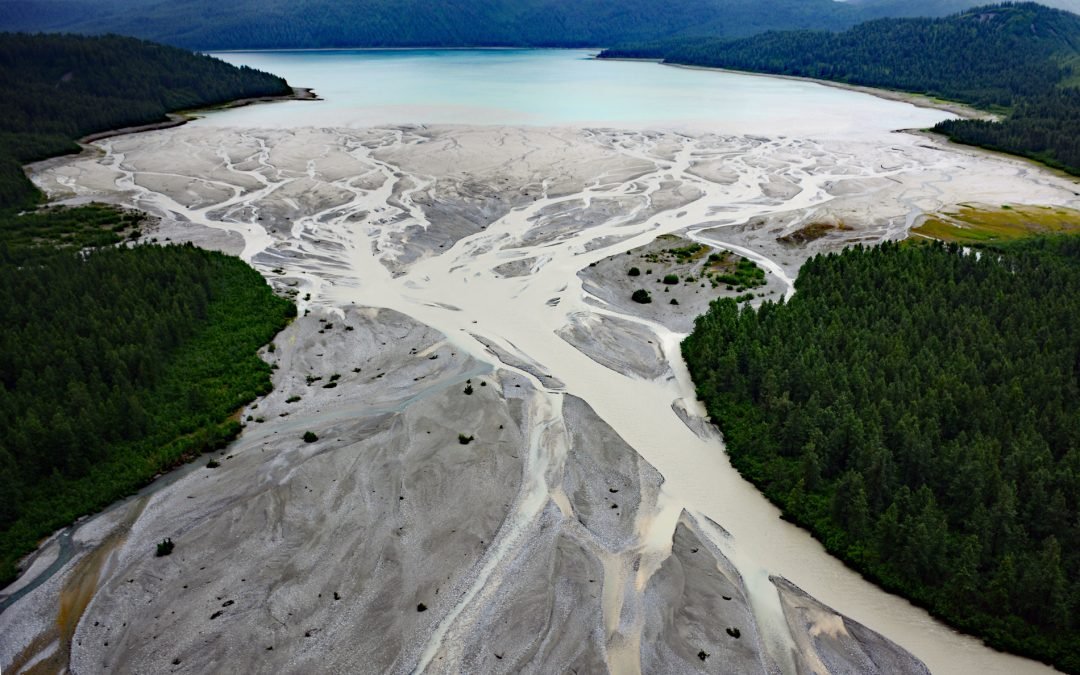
(1018, 60)
(917, 407)
(116, 361)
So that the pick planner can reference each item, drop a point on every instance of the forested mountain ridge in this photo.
(410, 23)
(251, 24)
(988, 56)
(1019, 58)
(876, 9)
(57, 88)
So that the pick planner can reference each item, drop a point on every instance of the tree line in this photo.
(115, 362)
(1016, 59)
(55, 89)
(917, 407)
(1045, 128)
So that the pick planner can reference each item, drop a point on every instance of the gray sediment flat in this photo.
(436, 272)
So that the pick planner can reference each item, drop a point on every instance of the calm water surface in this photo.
(555, 88)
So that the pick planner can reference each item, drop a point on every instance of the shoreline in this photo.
(211, 52)
(918, 100)
(182, 117)
(999, 154)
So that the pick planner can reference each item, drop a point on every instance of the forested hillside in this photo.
(876, 9)
(1014, 58)
(990, 56)
(246, 24)
(918, 409)
(57, 88)
(114, 364)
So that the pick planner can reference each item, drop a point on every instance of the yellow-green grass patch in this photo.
(970, 224)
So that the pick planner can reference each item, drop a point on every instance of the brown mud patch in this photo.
(50, 652)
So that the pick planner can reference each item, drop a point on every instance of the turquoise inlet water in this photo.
(555, 88)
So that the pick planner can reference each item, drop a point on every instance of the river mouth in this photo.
(428, 260)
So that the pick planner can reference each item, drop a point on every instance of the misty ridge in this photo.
(277, 24)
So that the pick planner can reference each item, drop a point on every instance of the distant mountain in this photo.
(211, 24)
(283, 24)
(876, 9)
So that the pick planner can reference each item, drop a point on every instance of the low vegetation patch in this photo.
(734, 271)
(687, 265)
(982, 225)
(165, 547)
(39, 234)
(689, 252)
(811, 232)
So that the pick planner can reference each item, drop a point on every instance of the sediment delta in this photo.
(507, 470)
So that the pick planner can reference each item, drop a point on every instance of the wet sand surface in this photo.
(511, 474)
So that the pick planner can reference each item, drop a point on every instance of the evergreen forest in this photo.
(917, 407)
(1019, 60)
(58, 88)
(116, 362)
(1045, 128)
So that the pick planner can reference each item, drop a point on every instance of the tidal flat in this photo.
(452, 284)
